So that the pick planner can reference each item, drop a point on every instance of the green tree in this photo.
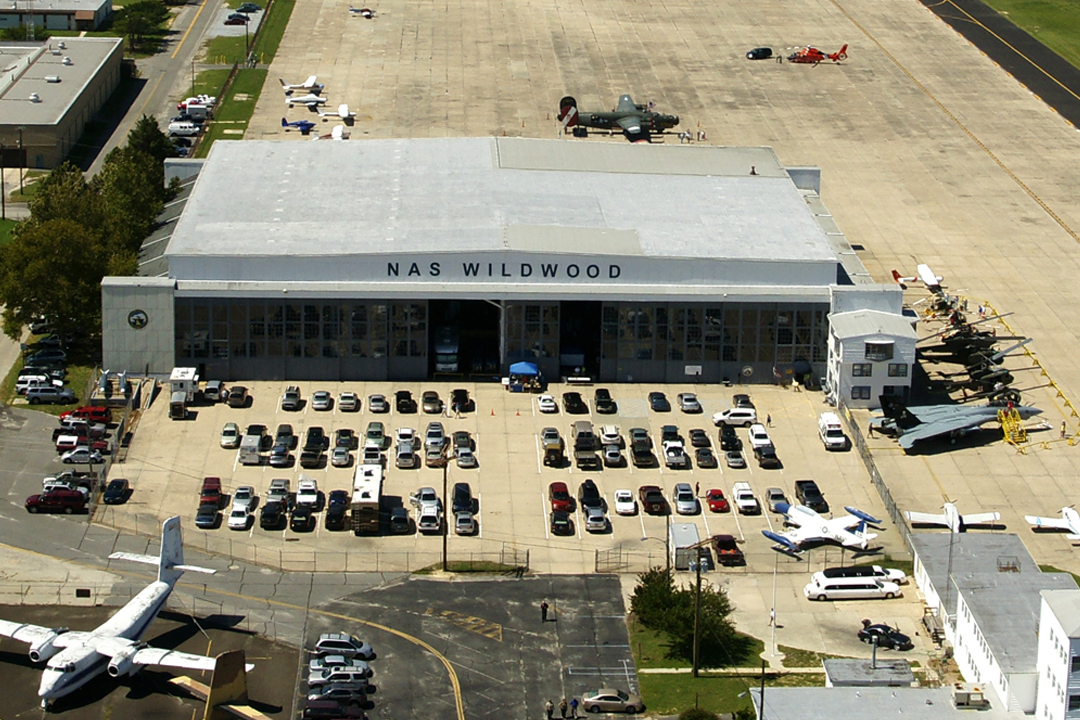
(147, 137)
(65, 194)
(21, 33)
(131, 185)
(52, 268)
(652, 597)
(140, 20)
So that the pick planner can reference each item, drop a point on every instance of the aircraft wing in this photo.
(24, 632)
(943, 425)
(1057, 523)
(311, 81)
(630, 124)
(926, 518)
(174, 658)
(980, 518)
(626, 105)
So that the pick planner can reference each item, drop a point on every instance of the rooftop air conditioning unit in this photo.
(52, 78)
(34, 98)
(62, 45)
(66, 60)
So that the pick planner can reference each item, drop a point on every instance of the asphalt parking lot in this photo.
(491, 634)
(147, 695)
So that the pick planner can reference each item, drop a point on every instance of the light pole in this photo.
(445, 528)
(772, 613)
(22, 160)
(192, 77)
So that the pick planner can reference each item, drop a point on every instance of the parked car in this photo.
(59, 500)
(378, 404)
(431, 402)
(851, 589)
(82, 455)
(248, 7)
(589, 495)
(546, 404)
(280, 456)
(464, 523)
(435, 435)
(236, 19)
(761, 53)
(399, 521)
(51, 395)
(613, 456)
(716, 500)
(346, 438)
(658, 402)
(705, 458)
(462, 497)
(773, 497)
(653, 500)
(237, 396)
(466, 458)
(729, 439)
(341, 457)
(272, 515)
(244, 497)
(375, 435)
(348, 402)
(302, 520)
(603, 402)
(595, 519)
(239, 518)
(808, 494)
(699, 438)
(559, 495)
(689, 403)
(759, 436)
(230, 436)
(573, 404)
(887, 637)
(116, 492)
(90, 413)
(734, 459)
(741, 400)
(561, 524)
(625, 504)
(207, 516)
(611, 700)
(685, 502)
(344, 693)
(766, 457)
(344, 645)
(48, 357)
(307, 492)
(404, 402)
(459, 398)
(322, 400)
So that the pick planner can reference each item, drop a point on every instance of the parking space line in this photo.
(543, 516)
(705, 519)
(641, 517)
(539, 459)
(735, 512)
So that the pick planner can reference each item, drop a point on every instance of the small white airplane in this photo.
(926, 276)
(364, 12)
(1069, 520)
(74, 657)
(311, 85)
(952, 518)
(338, 132)
(342, 112)
(812, 527)
(312, 101)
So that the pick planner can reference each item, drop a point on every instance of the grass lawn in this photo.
(1052, 22)
(225, 49)
(234, 110)
(799, 658)
(6, 226)
(671, 694)
(650, 649)
(30, 187)
(273, 27)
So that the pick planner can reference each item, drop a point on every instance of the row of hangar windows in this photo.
(734, 332)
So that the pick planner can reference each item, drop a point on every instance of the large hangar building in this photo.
(623, 263)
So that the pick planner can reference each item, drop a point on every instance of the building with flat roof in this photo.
(859, 703)
(57, 14)
(875, 672)
(871, 353)
(50, 90)
(1059, 655)
(618, 262)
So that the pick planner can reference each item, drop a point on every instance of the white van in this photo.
(851, 588)
(831, 431)
(735, 416)
(35, 381)
(183, 129)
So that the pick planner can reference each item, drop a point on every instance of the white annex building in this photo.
(624, 262)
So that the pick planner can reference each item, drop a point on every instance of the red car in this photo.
(560, 497)
(70, 442)
(67, 501)
(91, 413)
(717, 501)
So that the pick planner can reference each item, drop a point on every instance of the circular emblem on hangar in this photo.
(138, 319)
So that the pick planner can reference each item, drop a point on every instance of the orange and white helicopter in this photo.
(811, 55)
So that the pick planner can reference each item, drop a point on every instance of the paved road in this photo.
(166, 74)
(1021, 55)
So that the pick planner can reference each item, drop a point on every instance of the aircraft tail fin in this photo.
(899, 279)
(283, 83)
(898, 412)
(284, 123)
(842, 55)
(568, 112)
(171, 560)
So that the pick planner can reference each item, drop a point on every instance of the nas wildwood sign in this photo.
(513, 270)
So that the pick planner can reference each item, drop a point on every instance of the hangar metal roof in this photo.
(24, 67)
(468, 195)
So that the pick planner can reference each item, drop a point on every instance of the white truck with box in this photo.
(831, 431)
(684, 536)
(249, 453)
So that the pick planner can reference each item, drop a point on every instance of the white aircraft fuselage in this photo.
(73, 667)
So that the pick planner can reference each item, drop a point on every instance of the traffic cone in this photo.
(493, 412)
(518, 413)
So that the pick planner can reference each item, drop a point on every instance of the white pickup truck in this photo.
(675, 454)
(744, 499)
(759, 436)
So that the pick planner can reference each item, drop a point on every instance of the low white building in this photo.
(1059, 655)
(871, 353)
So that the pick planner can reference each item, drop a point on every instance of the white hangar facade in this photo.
(345, 260)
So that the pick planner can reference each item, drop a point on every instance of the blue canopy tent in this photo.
(524, 368)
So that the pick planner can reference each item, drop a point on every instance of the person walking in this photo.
(697, 489)
(543, 611)
(870, 430)
(768, 420)
(1062, 429)
(573, 707)
(549, 709)
(562, 708)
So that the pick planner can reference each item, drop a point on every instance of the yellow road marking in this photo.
(1031, 193)
(480, 626)
(192, 25)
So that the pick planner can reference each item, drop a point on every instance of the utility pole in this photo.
(445, 534)
(697, 603)
(192, 77)
(22, 159)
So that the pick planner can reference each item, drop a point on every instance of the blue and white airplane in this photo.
(74, 657)
(304, 126)
(812, 527)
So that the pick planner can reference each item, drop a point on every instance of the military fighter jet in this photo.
(809, 526)
(637, 122)
(916, 424)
